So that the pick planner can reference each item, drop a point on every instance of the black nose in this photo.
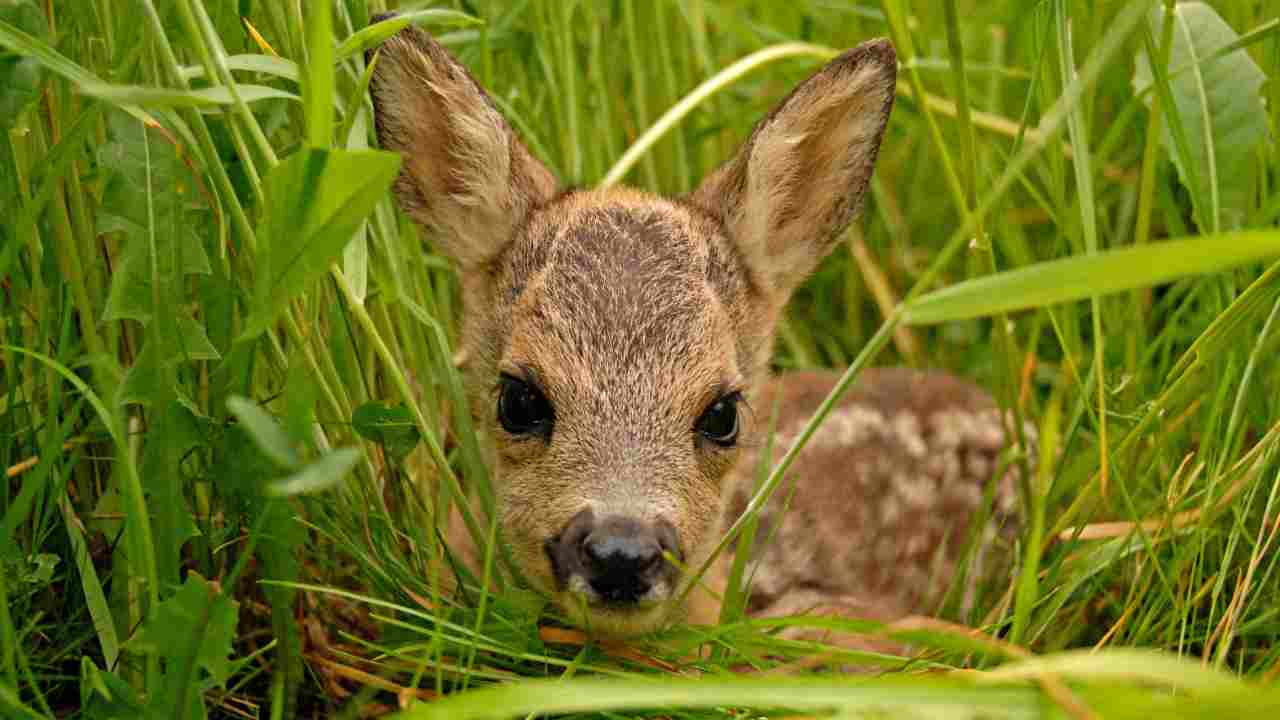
(619, 557)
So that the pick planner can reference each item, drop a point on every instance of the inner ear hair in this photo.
(799, 180)
(466, 176)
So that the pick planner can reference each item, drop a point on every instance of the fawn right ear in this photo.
(466, 176)
(798, 181)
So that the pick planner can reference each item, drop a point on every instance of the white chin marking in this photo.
(579, 587)
(585, 609)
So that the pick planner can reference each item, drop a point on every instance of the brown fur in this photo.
(633, 313)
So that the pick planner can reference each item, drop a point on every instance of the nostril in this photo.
(621, 555)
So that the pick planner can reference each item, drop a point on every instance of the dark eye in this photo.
(719, 422)
(522, 408)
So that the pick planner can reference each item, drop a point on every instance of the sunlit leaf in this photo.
(315, 201)
(391, 427)
(265, 431)
(318, 475)
(1219, 107)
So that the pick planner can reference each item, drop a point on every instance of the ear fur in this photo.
(466, 176)
(799, 180)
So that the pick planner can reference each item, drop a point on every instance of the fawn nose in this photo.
(614, 559)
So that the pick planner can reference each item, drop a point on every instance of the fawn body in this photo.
(618, 346)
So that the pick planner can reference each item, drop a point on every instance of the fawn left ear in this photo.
(466, 175)
(799, 180)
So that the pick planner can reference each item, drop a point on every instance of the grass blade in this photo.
(1079, 278)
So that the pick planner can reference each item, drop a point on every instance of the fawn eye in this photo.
(719, 422)
(522, 408)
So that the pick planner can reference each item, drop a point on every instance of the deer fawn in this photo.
(618, 349)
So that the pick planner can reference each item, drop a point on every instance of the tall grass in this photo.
(231, 423)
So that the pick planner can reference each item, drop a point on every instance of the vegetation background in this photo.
(228, 407)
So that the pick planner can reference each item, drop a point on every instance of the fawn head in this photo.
(615, 339)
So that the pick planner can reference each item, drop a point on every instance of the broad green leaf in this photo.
(153, 200)
(1220, 108)
(265, 431)
(318, 475)
(1079, 278)
(131, 287)
(177, 339)
(391, 427)
(194, 628)
(376, 33)
(315, 201)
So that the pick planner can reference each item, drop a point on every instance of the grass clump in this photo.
(229, 413)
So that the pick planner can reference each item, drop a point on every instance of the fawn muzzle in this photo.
(615, 560)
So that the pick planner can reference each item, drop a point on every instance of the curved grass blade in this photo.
(129, 95)
(24, 44)
(1079, 278)
(374, 34)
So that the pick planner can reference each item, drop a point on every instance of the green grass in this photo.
(228, 403)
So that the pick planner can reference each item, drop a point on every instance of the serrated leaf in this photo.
(315, 201)
(184, 339)
(180, 338)
(265, 431)
(131, 294)
(1220, 109)
(318, 475)
(199, 611)
(391, 427)
(104, 696)
(146, 378)
(149, 192)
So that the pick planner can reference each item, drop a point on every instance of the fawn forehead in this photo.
(613, 291)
